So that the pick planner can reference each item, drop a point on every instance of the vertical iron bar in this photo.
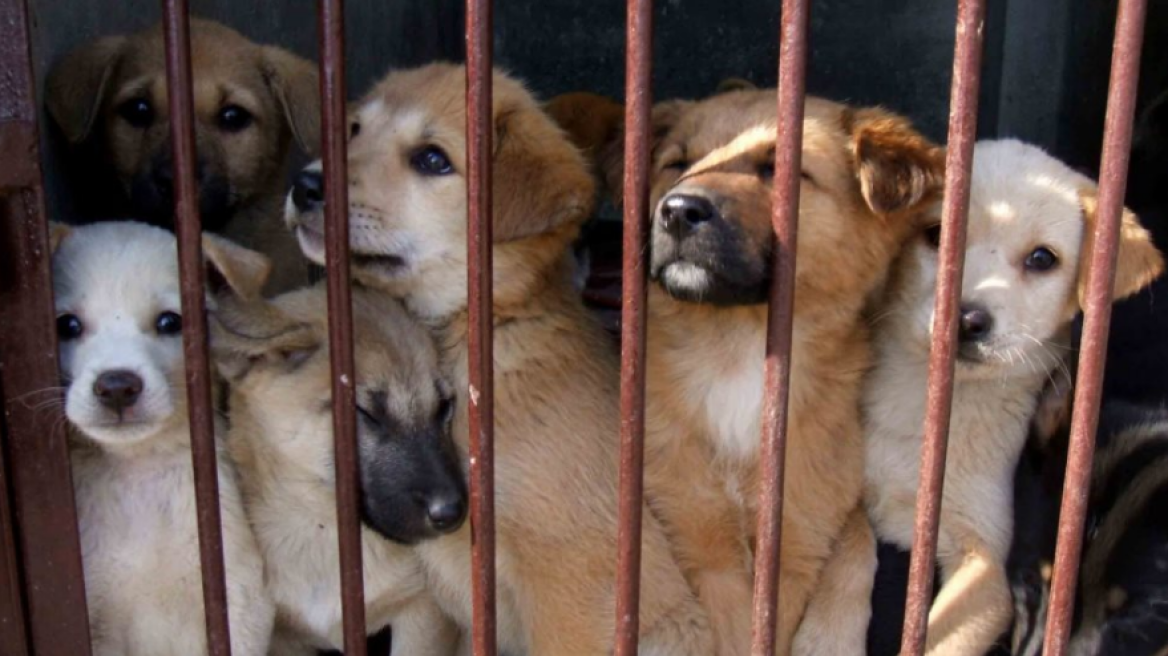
(481, 410)
(176, 28)
(335, 159)
(1117, 138)
(638, 105)
(13, 632)
(785, 220)
(42, 536)
(955, 210)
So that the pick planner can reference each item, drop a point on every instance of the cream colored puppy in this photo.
(276, 357)
(1031, 222)
(120, 330)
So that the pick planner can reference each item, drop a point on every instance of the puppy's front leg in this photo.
(973, 608)
(422, 629)
(836, 622)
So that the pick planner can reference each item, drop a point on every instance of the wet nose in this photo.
(308, 191)
(976, 324)
(446, 512)
(118, 389)
(683, 212)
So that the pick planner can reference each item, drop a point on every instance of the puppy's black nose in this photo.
(976, 324)
(683, 212)
(118, 389)
(446, 512)
(308, 191)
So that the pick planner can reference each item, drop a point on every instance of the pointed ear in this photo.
(295, 85)
(234, 268)
(896, 166)
(79, 83)
(250, 334)
(1137, 263)
(663, 119)
(57, 234)
(540, 180)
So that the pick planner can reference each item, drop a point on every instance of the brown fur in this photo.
(555, 376)
(868, 173)
(86, 88)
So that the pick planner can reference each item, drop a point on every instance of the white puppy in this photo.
(119, 323)
(1031, 222)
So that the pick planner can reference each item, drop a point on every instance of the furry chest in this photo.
(731, 406)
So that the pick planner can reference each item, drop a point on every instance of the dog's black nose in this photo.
(308, 191)
(976, 324)
(682, 212)
(118, 389)
(446, 512)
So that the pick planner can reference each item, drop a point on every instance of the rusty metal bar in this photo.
(481, 410)
(44, 518)
(955, 209)
(176, 29)
(13, 618)
(1117, 139)
(785, 220)
(638, 105)
(334, 150)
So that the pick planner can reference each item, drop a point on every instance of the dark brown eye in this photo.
(767, 169)
(933, 235)
(234, 118)
(1041, 259)
(430, 160)
(445, 409)
(354, 130)
(168, 323)
(137, 112)
(69, 327)
(678, 165)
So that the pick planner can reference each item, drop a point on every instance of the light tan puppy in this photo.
(1030, 227)
(866, 174)
(119, 323)
(276, 357)
(556, 407)
(250, 102)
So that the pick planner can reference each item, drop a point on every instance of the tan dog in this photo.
(276, 357)
(1031, 220)
(866, 173)
(250, 102)
(555, 374)
(119, 323)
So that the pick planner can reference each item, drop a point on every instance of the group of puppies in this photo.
(864, 278)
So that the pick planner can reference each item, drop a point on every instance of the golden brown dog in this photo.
(250, 102)
(866, 174)
(555, 374)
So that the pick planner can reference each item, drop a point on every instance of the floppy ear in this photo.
(734, 84)
(57, 234)
(1137, 263)
(235, 268)
(591, 120)
(248, 334)
(295, 85)
(540, 179)
(79, 83)
(896, 166)
(663, 118)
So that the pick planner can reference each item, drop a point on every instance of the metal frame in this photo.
(42, 608)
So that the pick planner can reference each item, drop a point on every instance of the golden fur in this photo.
(867, 173)
(556, 410)
(276, 356)
(87, 88)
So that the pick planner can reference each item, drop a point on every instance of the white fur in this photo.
(133, 477)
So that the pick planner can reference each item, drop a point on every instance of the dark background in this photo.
(1044, 77)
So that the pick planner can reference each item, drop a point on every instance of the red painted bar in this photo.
(176, 29)
(777, 372)
(479, 129)
(1117, 139)
(43, 594)
(958, 159)
(334, 149)
(638, 106)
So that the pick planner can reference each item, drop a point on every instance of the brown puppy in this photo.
(555, 374)
(866, 174)
(250, 102)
